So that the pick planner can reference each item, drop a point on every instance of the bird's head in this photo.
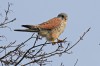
(63, 16)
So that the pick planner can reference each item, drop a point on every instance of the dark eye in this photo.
(62, 16)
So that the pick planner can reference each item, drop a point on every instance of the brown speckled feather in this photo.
(50, 24)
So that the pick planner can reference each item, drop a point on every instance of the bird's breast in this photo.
(60, 28)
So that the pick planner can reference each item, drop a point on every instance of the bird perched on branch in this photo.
(50, 29)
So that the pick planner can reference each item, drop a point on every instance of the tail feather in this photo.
(27, 26)
(31, 27)
(26, 30)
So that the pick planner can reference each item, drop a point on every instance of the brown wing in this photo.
(50, 24)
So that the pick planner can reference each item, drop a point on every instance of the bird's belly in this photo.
(43, 33)
(52, 34)
(55, 33)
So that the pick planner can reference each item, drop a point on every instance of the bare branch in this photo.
(61, 64)
(76, 62)
(40, 57)
(6, 20)
(81, 38)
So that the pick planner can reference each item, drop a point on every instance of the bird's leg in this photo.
(53, 43)
(58, 40)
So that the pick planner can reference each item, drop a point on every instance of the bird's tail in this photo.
(30, 28)
(26, 30)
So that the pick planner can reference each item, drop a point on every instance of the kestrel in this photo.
(50, 29)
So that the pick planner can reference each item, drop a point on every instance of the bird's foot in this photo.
(53, 43)
(58, 41)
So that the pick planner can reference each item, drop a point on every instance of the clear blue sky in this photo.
(82, 15)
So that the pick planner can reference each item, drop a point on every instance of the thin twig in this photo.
(81, 38)
(76, 62)
(6, 20)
